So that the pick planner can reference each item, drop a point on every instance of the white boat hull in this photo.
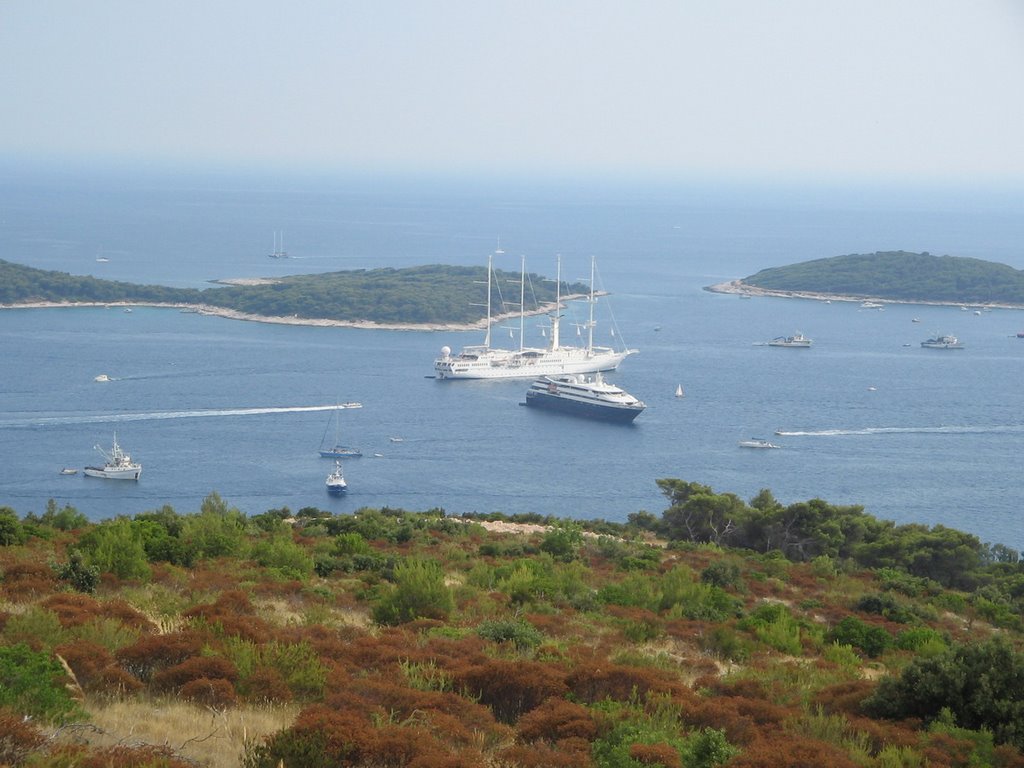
(515, 366)
(115, 473)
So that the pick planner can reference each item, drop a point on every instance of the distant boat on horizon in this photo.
(279, 252)
(679, 390)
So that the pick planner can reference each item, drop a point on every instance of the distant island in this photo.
(897, 276)
(429, 297)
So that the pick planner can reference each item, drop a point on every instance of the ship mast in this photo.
(522, 301)
(558, 304)
(590, 320)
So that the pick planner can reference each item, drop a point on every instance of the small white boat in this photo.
(756, 442)
(69, 471)
(397, 439)
(102, 377)
(679, 390)
(336, 480)
(799, 341)
(117, 465)
(872, 305)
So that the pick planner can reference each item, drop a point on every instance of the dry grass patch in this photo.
(213, 739)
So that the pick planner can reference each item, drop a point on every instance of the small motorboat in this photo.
(69, 471)
(757, 442)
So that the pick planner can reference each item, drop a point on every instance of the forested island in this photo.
(724, 632)
(426, 295)
(894, 276)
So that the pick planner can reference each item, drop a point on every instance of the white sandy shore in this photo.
(739, 287)
(206, 309)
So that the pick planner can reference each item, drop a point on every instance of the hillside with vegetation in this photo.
(412, 295)
(899, 276)
(721, 633)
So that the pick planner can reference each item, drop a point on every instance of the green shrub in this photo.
(116, 547)
(12, 532)
(280, 553)
(79, 575)
(419, 592)
(522, 635)
(34, 684)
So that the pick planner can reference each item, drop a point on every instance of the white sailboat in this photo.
(679, 390)
(483, 361)
(336, 450)
(279, 252)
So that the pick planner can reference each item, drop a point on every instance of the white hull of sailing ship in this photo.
(483, 361)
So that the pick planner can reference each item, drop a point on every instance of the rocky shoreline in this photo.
(740, 288)
(231, 314)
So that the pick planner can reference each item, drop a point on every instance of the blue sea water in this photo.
(211, 404)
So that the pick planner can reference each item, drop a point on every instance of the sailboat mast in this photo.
(487, 336)
(522, 300)
(558, 303)
(590, 320)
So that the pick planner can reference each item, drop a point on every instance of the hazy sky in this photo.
(892, 89)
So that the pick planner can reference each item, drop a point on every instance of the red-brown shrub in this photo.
(566, 754)
(512, 688)
(267, 685)
(24, 581)
(593, 681)
(152, 653)
(791, 751)
(736, 717)
(195, 668)
(86, 659)
(18, 739)
(234, 613)
(116, 757)
(72, 608)
(216, 692)
(556, 719)
(845, 698)
(656, 754)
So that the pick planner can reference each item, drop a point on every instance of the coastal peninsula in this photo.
(433, 297)
(893, 276)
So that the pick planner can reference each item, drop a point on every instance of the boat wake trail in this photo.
(945, 430)
(105, 418)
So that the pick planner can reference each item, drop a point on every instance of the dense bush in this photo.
(981, 685)
(34, 684)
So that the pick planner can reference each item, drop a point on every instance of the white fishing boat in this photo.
(117, 465)
(483, 361)
(336, 480)
(757, 442)
(582, 395)
(942, 342)
(799, 341)
(335, 450)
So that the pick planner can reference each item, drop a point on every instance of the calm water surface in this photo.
(212, 404)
